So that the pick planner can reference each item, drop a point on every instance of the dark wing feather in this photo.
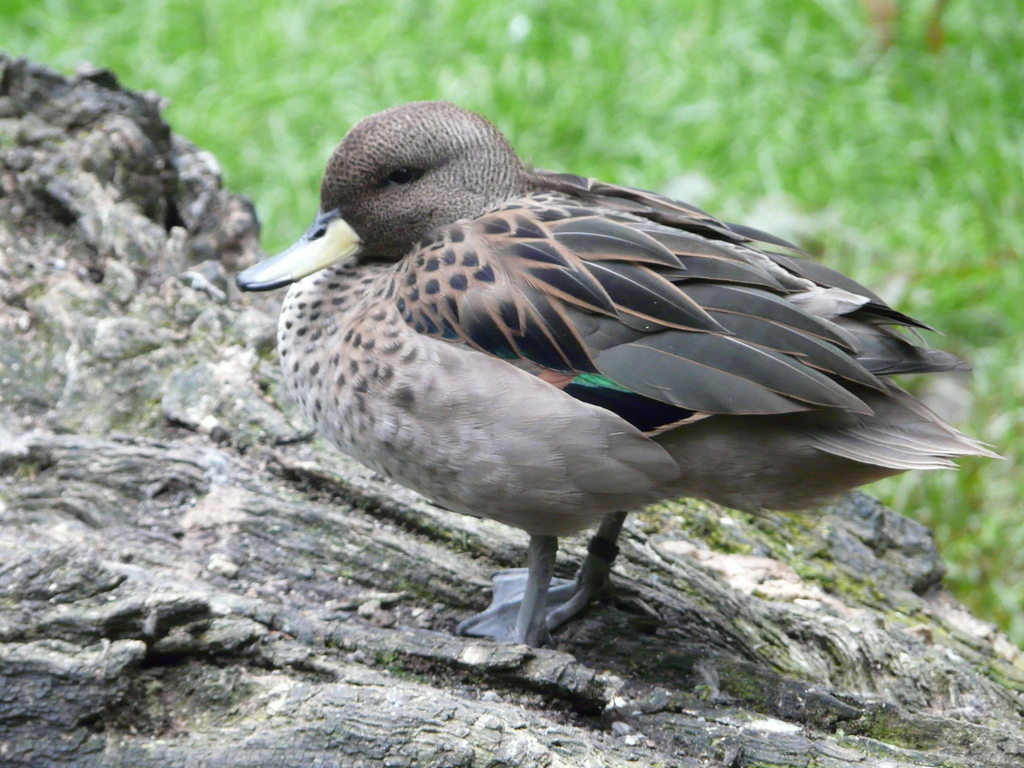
(598, 239)
(640, 203)
(741, 300)
(810, 350)
(721, 271)
(657, 309)
(681, 242)
(664, 377)
(705, 363)
(548, 339)
(762, 237)
(885, 352)
(649, 296)
(592, 189)
(483, 325)
(645, 414)
(822, 275)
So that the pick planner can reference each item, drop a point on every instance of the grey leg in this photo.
(517, 602)
(531, 627)
(593, 574)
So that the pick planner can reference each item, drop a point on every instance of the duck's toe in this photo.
(525, 610)
(588, 585)
(498, 622)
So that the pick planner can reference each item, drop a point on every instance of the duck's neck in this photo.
(328, 301)
(339, 288)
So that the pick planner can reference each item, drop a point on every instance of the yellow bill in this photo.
(329, 240)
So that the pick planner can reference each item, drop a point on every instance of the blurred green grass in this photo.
(911, 161)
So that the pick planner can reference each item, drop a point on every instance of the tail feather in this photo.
(902, 434)
(858, 447)
(801, 460)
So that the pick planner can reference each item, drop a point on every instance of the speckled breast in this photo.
(465, 429)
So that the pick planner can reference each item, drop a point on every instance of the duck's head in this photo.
(393, 178)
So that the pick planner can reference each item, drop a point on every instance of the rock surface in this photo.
(188, 577)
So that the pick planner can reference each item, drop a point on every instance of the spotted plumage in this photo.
(546, 349)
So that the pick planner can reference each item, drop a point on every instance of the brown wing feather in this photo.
(659, 297)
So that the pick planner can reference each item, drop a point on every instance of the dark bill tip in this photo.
(248, 284)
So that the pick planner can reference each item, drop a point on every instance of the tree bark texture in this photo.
(189, 577)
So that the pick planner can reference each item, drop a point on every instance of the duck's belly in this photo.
(472, 432)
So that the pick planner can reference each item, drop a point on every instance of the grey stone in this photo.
(223, 399)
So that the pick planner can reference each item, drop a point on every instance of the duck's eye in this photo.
(403, 176)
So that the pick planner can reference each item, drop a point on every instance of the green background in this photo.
(901, 163)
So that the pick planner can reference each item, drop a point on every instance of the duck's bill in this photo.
(327, 242)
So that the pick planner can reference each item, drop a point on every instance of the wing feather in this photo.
(648, 300)
(710, 355)
(648, 295)
(594, 238)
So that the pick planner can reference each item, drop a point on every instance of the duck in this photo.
(552, 351)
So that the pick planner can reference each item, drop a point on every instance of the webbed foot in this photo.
(498, 622)
(528, 603)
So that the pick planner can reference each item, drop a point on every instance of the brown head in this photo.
(394, 177)
(398, 174)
